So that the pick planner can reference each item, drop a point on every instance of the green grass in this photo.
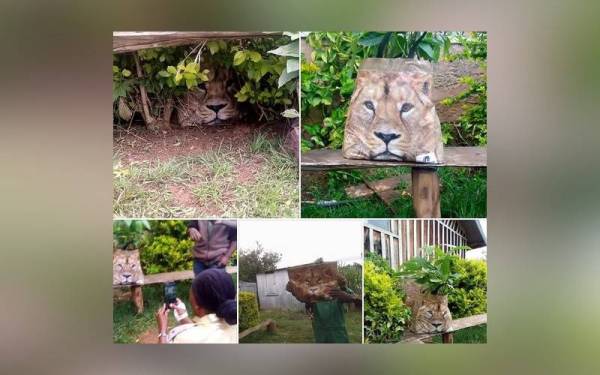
(213, 182)
(296, 327)
(472, 335)
(463, 194)
(128, 326)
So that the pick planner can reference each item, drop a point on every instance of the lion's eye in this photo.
(369, 105)
(406, 107)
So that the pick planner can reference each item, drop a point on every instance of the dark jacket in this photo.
(216, 242)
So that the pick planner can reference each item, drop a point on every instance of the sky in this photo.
(303, 241)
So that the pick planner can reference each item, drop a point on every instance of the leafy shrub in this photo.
(248, 310)
(233, 258)
(173, 228)
(435, 272)
(130, 234)
(385, 314)
(166, 254)
(172, 71)
(469, 296)
(353, 275)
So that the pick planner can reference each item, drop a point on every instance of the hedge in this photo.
(470, 293)
(248, 310)
(385, 314)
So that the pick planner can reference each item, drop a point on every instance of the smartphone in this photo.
(170, 293)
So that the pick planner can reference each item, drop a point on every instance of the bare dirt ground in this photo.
(203, 171)
(139, 144)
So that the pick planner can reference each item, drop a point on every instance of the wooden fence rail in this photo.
(447, 337)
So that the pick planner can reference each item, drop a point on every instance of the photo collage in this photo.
(299, 187)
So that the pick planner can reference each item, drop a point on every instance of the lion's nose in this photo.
(216, 107)
(387, 137)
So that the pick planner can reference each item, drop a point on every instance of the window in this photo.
(388, 250)
(383, 224)
(396, 253)
(367, 240)
(377, 242)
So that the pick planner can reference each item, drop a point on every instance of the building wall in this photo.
(401, 240)
(272, 294)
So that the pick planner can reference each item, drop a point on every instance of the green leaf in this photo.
(285, 77)
(163, 73)
(171, 69)
(213, 46)
(126, 73)
(191, 83)
(192, 67)
(178, 77)
(293, 36)
(290, 113)
(254, 56)
(371, 39)
(239, 58)
(426, 49)
(292, 65)
(290, 50)
(188, 76)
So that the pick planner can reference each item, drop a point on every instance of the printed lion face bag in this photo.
(391, 115)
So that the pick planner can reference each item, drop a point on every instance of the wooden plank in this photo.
(426, 193)
(359, 191)
(326, 159)
(164, 277)
(160, 278)
(129, 41)
(457, 324)
(269, 324)
(390, 183)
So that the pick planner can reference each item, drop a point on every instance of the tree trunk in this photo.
(144, 94)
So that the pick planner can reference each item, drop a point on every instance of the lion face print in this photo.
(391, 115)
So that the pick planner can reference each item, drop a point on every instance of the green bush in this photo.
(469, 296)
(166, 254)
(170, 72)
(385, 314)
(248, 310)
(353, 275)
(435, 272)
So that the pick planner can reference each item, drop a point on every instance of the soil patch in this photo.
(136, 143)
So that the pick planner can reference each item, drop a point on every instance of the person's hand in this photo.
(179, 310)
(162, 318)
(223, 261)
(195, 234)
(341, 295)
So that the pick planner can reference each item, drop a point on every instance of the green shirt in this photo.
(329, 325)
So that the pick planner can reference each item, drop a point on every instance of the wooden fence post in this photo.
(447, 338)
(138, 298)
(426, 192)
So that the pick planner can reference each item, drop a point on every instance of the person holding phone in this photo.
(212, 299)
(214, 242)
